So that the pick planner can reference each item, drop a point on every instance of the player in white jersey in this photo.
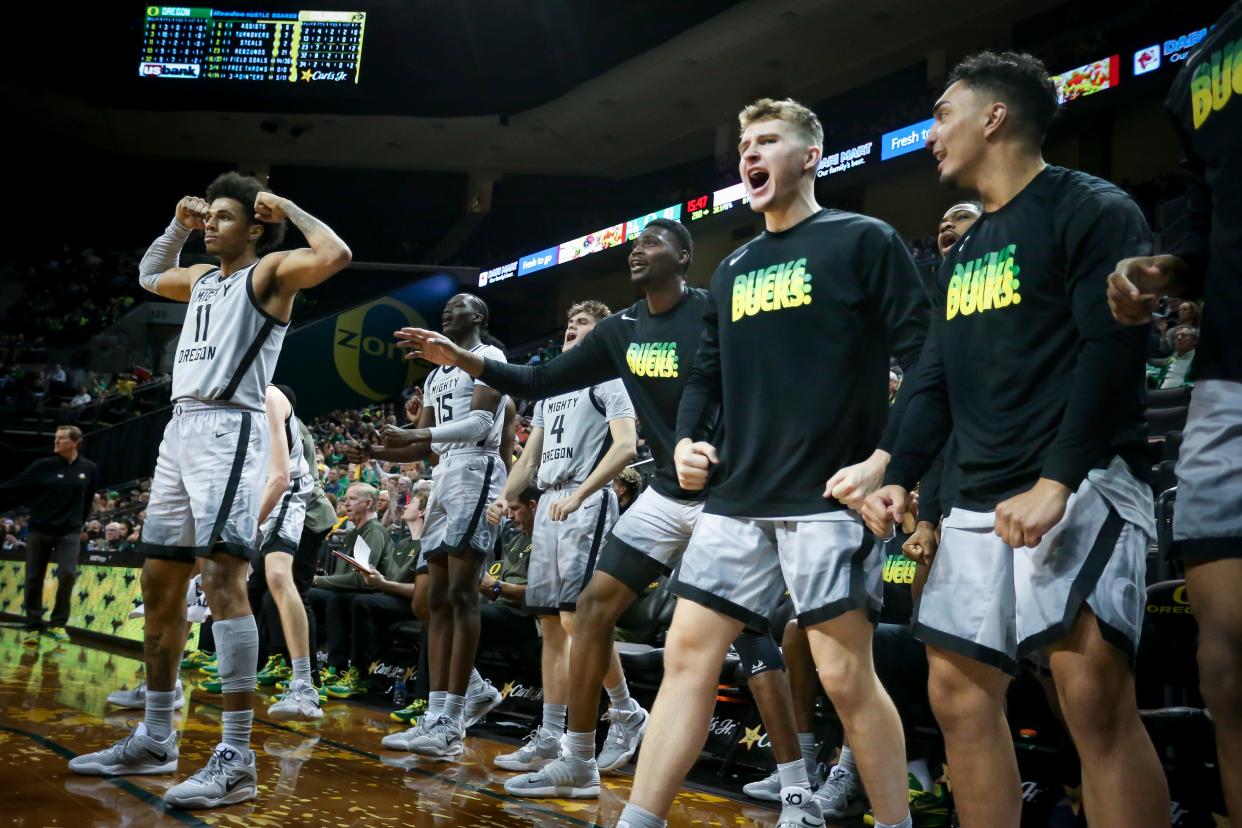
(209, 475)
(288, 494)
(579, 441)
(462, 421)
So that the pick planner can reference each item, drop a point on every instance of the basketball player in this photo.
(1045, 540)
(288, 494)
(209, 475)
(648, 346)
(819, 287)
(578, 442)
(1207, 263)
(462, 422)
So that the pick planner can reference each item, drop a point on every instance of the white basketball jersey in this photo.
(299, 465)
(575, 430)
(229, 345)
(449, 391)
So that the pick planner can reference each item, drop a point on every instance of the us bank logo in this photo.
(365, 357)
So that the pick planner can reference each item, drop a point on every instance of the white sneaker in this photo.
(441, 740)
(841, 795)
(137, 753)
(541, 748)
(625, 734)
(480, 703)
(300, 701)
(403, 740)
(566, 777)
(768, 789)
(799, 809)
(136, 699)
(229, 778)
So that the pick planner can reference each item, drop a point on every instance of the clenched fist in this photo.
(192, 212)
(271, 208)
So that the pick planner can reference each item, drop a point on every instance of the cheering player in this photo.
(1045, 540)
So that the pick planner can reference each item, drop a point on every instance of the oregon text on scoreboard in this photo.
(213, 44)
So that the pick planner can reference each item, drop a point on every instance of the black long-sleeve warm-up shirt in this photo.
(795, 351)
(1024, 362)
(650, 353)
(60, 493)
(1206, 104)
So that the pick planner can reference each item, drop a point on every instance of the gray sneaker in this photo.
(624, 735)
(768, 789)
(404, 739)
(799, 809)
(229, 778)
(136, 699)
(136, 753)
(481, 702)
(566, 777)
(541, 748)
(300, 701)
(841, 795)
(441, 740)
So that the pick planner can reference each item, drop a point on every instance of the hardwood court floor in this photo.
(334, 773)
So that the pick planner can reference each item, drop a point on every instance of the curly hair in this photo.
(591, 307)
(244, 190)
(1019, 80)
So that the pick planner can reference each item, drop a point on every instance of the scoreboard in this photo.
(299, 47)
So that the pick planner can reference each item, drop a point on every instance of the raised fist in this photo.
(192, 212)
(271, 208)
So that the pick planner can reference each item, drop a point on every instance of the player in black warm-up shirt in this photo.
(1206, 105)
(650, 346)
(818, 291)
(1045, 540)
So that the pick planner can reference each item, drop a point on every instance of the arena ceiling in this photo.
(566, 87)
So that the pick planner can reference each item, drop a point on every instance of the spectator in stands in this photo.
(1172, 372)
(80, 399)
(371, 615)
(1188, 313)
(627, 485)
(503, 587)
(60, 490)
(333, 594)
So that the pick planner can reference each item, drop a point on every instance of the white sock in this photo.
(847, 760)
(236, 728)
(635, 817)
(619, 696)
(159, 713)
(301, 669)
(476, 684)
(554, 716)
(435, 704)
(454, 707)
(580, 745)
(793, 774)
(908, 822)
(919, 770)
(806, 741)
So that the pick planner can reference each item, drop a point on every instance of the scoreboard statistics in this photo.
(298, 47)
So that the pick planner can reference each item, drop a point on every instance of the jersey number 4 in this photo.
(202, 320)
(558, 427)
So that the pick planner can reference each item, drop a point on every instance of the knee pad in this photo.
(758, 653)
(237, 647)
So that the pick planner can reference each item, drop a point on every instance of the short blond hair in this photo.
(787, 110)
(591, 307)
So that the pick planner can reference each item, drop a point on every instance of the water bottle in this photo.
(400, 695)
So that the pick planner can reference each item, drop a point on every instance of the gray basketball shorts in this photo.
(829, 563)
(649, 539)
(1207, 520)
(996, 604)
(282, 529)
(464, 486)
(207, 484)
(563, 553)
